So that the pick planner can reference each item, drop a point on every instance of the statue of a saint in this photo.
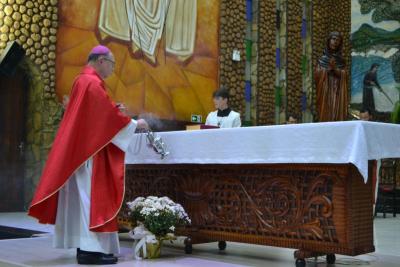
(331, 80)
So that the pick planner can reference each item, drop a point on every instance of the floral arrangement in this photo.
(159, 215)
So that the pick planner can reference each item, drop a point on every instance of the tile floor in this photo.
(38, 251)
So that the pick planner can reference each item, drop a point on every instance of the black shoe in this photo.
(80, 251)
(95, 258)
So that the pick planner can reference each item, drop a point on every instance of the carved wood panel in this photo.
(281, 205)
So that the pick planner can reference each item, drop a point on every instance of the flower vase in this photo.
(153, 249)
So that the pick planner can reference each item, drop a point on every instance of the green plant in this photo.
(395, 116)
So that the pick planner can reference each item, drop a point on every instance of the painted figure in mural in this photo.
(370, 81)
(224, 116)
(143, 23)
(82, 185)
(331, 81)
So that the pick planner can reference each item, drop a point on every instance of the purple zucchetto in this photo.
(100, 50)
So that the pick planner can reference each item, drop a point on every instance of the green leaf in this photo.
(395, 116)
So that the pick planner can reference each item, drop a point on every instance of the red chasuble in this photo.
(90, 122)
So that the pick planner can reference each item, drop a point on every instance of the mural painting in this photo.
(166, 52)
(375, 69)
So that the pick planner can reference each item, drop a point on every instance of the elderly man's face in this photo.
(106, 64)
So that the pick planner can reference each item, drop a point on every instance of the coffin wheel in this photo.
(188, 245)
(300, 263)
(330, 258)
(221, 245)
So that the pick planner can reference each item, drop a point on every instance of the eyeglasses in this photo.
(109, 60)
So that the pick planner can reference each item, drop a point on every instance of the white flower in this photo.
(136, 203)
(150, 208)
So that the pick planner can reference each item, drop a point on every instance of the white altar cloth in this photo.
(353, 142)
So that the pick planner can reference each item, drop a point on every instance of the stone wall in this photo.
(266, 63)
(294, 54)
(43, 116)
(33, 24)
(254, 63)
(232, 36)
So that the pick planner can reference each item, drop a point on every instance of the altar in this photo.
(302, 186)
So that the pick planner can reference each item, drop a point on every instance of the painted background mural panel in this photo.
(175, 72)
(375, 40)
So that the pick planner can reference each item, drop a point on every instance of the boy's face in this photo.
(220, 102)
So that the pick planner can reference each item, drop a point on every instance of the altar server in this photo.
(224, 116)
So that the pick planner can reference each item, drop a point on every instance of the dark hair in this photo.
(363, 110)
(374, 65)
(94, 57)
(222, 92)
